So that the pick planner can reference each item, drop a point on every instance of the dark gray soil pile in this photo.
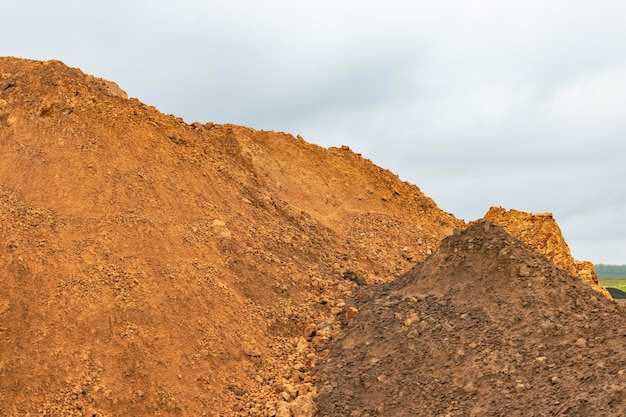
(617, 294)
(486, 326)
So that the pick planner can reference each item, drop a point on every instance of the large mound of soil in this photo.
(486, 326)
(155, 267)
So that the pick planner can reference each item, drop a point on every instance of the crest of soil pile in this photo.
(542, 233)
(155, 267)
(486, 326)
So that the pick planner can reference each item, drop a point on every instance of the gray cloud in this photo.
(479, 103)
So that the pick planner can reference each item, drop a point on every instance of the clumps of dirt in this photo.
(155, 267)
(484, 326)
(542, 233)
(152, 266)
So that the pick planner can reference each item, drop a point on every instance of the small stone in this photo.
(282, 410)
(469, 387)
(310, 330)
(413, 318)
(305, 388)
(303, 406)
(351, 312)
(290, 390)
(524, 271)
(581, 342)
(220, 230)
(321, 355)
(302, 345)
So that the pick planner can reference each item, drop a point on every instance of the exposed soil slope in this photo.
(153, 267)
(486, 326)
(542, 232)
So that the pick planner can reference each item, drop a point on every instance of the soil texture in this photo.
(542, 233)
(151, 266)
(486, 326)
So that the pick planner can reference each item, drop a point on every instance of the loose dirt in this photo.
(486, 326)
(543, 234)
(151, 266)
(155, 267)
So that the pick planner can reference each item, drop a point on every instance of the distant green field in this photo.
(613, 281)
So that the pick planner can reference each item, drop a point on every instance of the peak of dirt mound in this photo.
(542, 233)
(156, 267)
(484, 326)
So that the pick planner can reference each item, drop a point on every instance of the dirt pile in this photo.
(155, 267)
(485, 326)
(542, 232)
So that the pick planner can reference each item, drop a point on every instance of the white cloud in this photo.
(596, 100)
(607, 251)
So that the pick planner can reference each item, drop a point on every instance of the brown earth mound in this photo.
(486, 326)
(155, 267)
(542, 232)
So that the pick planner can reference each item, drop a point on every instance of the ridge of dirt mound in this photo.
(542, 233)
(484, 326)
(155, 267)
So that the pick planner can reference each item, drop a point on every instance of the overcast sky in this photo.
(520, 104)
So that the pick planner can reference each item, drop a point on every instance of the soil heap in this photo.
(542, 233)
(155, 267)
(486, 326)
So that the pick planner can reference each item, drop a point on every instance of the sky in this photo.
(480, 103)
